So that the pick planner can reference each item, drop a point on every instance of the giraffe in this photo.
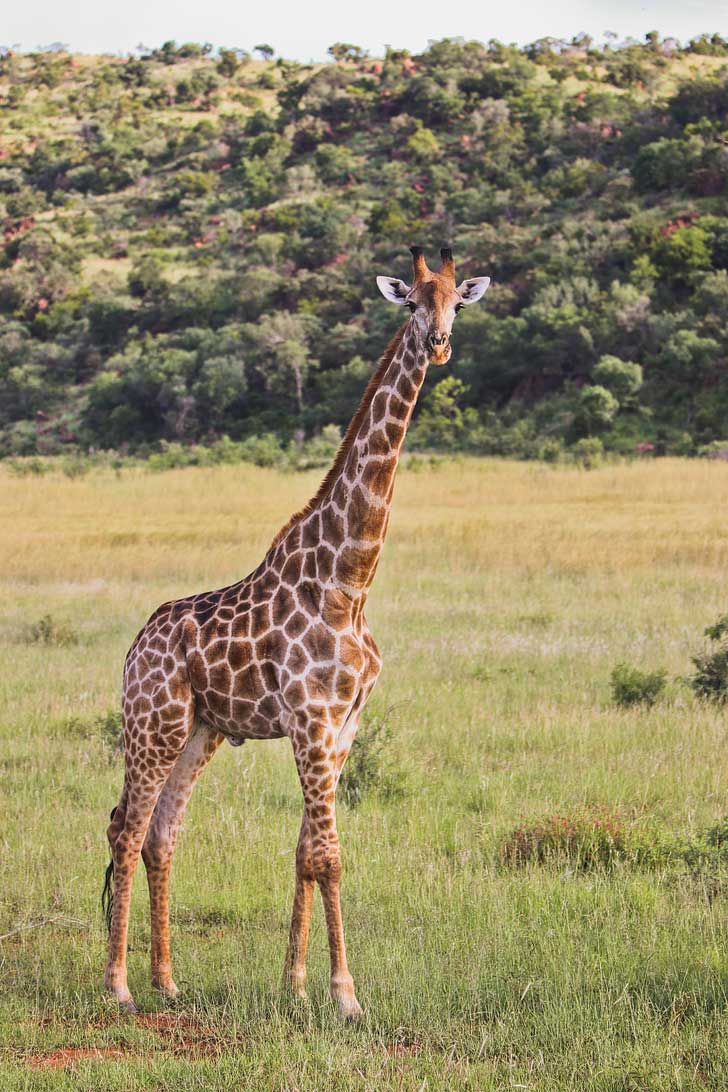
(284, 652)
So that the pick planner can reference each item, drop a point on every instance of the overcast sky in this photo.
(303, 30)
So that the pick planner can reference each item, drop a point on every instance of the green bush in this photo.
(109, 728)
(29, 467)
(716, 449)
(588, 452)
(710, 680)
(630, 686)
(597, 408)
(370, 769)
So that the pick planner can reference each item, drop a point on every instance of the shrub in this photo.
(550, 450)
(50, 631)
(588, 839)
(369, 768)
(716, 449)
(75, 465)
(597, 408)
(108, 726)
(599, 838)
(710, 681)
(630, 686)
(265, 450)
(588, 452)
(28, 467)
(720, 629)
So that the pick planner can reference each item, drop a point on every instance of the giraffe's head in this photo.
(434, 300)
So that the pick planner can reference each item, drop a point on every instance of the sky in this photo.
(303, 29)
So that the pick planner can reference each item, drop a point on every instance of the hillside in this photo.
(190, 242)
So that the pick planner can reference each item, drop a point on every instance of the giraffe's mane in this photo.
(349, 436)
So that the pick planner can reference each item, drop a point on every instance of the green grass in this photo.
(506, 595)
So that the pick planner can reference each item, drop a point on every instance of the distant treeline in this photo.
(190, 240)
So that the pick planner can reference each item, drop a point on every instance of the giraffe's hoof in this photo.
(124, 1000)
(295, 986)
(296, 990)
(349, 1009)
(169, 990)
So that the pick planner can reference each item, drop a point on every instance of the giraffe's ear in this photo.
(393, 289)
(473, 289)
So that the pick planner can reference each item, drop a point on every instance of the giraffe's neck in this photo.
(346, 523)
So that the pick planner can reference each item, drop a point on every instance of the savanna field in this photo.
(506, 595)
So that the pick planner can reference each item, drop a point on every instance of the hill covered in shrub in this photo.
(190, 240)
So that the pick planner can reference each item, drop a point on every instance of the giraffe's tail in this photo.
(107, 895)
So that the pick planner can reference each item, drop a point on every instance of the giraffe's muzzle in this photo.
(438, 345)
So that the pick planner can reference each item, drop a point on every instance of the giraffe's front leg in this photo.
(316, 752)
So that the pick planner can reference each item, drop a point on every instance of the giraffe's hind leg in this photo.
(160, 843)
(294, 973)
(153, 743)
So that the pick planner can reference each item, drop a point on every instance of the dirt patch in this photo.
(183, 1035)
(403, 1047)
(59, 1059)
(402, 1050)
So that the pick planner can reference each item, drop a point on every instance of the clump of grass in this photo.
(630, 686)
(588, 839)
(598, 838)
(108, 726)
(76, 465)
(105, 727)
(27, 467)
(370, 768)
(539, 620)
(52, 632)
(710, 680)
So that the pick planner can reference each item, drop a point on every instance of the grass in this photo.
(506, 594)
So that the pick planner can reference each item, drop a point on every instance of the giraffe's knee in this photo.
(304, 860)
(158, 847)
(115, 827)
(326, 861)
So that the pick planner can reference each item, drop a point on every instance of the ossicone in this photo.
(419, 265)
(448, 265)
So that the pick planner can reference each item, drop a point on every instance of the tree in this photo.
(345, 51)
(440, 421)
(266, 51)
(597, 409)
(682, 253)
(239, 251)
(229, 62)
(621, 377)
(146, 277)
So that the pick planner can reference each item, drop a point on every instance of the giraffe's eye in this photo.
(459, 307)
(412, 306)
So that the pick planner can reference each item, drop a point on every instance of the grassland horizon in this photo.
(506, 594)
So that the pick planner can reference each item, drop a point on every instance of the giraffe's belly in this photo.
(240, 719)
